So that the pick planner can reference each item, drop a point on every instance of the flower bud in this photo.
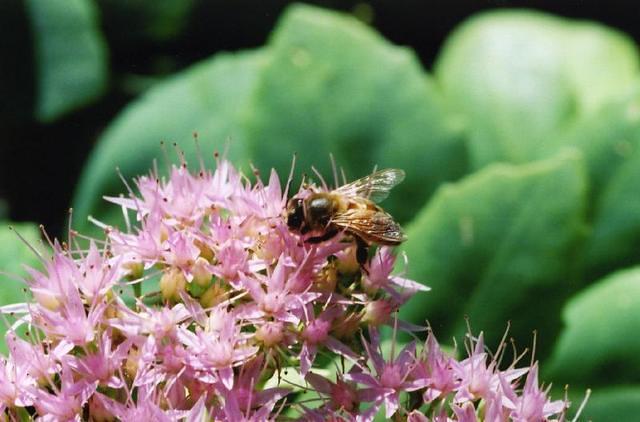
(201, 274)
(135, 270)
(205, 251)
(213, 296)
(172, 283)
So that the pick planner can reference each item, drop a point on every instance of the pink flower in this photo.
(417, 416)
(143, 248)
(437, 368)
(180, 252)
(316, 334)
(390, 378)
(159, 322)
(232, 261)
(245, 401)
(379, 277)
(278, 301)
(61, 277)
(17, 387)
(465, 413)
(97, 275)
(103, 364)
(218, 348)
(341, 395)
(65, 403)
(533, 404)
(145, 408)
(478, 379)
(71, 321)
(34, 360)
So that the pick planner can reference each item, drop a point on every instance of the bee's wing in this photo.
(371, 225)
(374, 187)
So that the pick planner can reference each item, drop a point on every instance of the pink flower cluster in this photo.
(204, 307)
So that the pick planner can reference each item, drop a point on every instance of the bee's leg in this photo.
(362, 253)
(331, 232)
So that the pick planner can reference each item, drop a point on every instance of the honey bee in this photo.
(352, 209)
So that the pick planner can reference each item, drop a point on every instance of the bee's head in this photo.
(295, 214)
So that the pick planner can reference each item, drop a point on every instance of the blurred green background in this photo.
(517, 123)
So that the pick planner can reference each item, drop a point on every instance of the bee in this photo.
(351, 209)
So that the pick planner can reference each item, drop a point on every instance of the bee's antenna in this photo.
(334, 168)
(324, 184)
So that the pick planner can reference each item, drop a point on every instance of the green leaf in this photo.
(620, 403)
(496, 247)
(13, 256)
(611, 145)
(71, 56)
(615, 240)
(332, 85)
(598, 342)
(206, 98)
(518, 78)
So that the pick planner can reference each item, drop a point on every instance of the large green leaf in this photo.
(615, 239)
(611, 145)
(620, 403)
(206, 98)
(518, 78)
(13, 256)
(332, 85)
(598, 342)
(70, 53)
(496, 246)
(608, 139)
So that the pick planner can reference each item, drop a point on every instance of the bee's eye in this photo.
(295, 215)
(294, 221)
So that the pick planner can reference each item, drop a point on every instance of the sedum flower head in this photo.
(205, 303)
